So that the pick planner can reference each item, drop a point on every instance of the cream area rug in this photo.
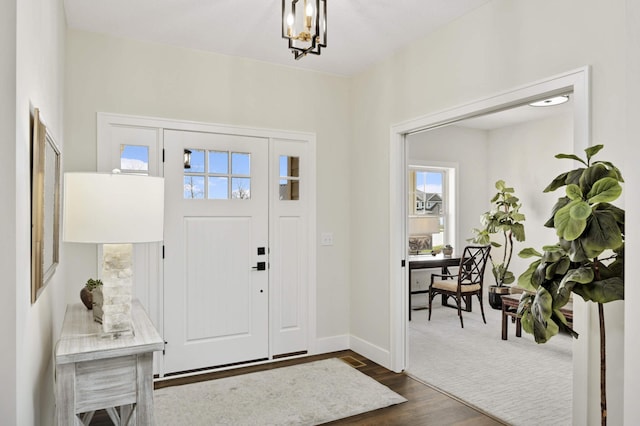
(304, 394)
(516, 380)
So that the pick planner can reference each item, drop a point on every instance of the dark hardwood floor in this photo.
(425, 405)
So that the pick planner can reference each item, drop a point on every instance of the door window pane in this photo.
(134, 158)
(289, 184)
(218, 188)
(194, 187)
(241, 188)
(218, 162)
(197, 161)
(240, 164)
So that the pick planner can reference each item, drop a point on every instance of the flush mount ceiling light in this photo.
(304, 24)
(556, 100)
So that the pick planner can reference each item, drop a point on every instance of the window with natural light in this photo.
(431, 196)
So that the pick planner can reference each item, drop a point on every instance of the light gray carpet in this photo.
(304, 394)
(517, 380)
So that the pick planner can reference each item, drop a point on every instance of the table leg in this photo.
(410, 272)
(65, 394)
(518, 327)
(505, 322)
(144, 406)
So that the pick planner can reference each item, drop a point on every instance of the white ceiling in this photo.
(360, 33)
(516, 115)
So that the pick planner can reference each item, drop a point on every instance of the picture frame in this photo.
(45, 205)
(420, 244)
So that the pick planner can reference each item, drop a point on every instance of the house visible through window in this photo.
(430, 195)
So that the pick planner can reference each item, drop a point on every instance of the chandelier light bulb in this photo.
(310, 36)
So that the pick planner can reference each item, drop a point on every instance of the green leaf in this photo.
(525, 279)
(593, 174)
(500, 185)
(604, 190)
(603, 291)
(580, 211)
(601, 233)
(559, 267)
(571, 157)
(518, 231)
(616, 212)
(568, 227)
(559, 205)
(593, 150)
(508, 277)
(577, 252)
(574, 176)
(616, 172)
(558, 182)
(573, 192)
(581, 275)
(529, 252)
(541, 310)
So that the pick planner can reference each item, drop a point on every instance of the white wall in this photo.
(523, 156)
(495, 48)
(128, 77)
(468, 149)
(35, 37)
(8, 211)
(632, 177)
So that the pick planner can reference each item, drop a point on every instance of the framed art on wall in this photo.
(45, 205)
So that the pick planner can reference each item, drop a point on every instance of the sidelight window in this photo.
(289, 178)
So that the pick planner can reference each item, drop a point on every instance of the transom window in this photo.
(217, 175)
(134, 159)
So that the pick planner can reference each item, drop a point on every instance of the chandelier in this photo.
(306, 27)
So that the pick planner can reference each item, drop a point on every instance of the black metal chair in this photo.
(467, 282)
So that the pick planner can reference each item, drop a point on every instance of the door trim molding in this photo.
(105, 121)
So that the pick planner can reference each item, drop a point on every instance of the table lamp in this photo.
(422, 226)
(115, 210)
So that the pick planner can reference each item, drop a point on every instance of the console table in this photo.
(94, 372)
(428, 261)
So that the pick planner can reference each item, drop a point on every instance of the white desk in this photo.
(94, 372)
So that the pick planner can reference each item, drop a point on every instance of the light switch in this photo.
(326, 239)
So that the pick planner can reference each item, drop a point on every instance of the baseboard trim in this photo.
(331, 344)
(368, 350)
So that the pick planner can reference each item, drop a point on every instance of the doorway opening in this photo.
(574, 82)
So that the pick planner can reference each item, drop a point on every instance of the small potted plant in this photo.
(91, 296)
(504, 218)
(447, 250)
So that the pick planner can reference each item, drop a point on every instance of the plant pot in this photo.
(495, 295)
(86, 297)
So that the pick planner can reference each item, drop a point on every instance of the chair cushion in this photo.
(452, 286)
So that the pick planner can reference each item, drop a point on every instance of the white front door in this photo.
(216, 249)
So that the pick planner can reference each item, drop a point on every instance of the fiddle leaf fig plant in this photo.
(588, 258)
(504, 218)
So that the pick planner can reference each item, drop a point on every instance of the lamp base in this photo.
(117, 289)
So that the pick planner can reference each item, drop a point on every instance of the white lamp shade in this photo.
(112, 208)
(424, 225)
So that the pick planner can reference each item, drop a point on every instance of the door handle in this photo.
(260, 266)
